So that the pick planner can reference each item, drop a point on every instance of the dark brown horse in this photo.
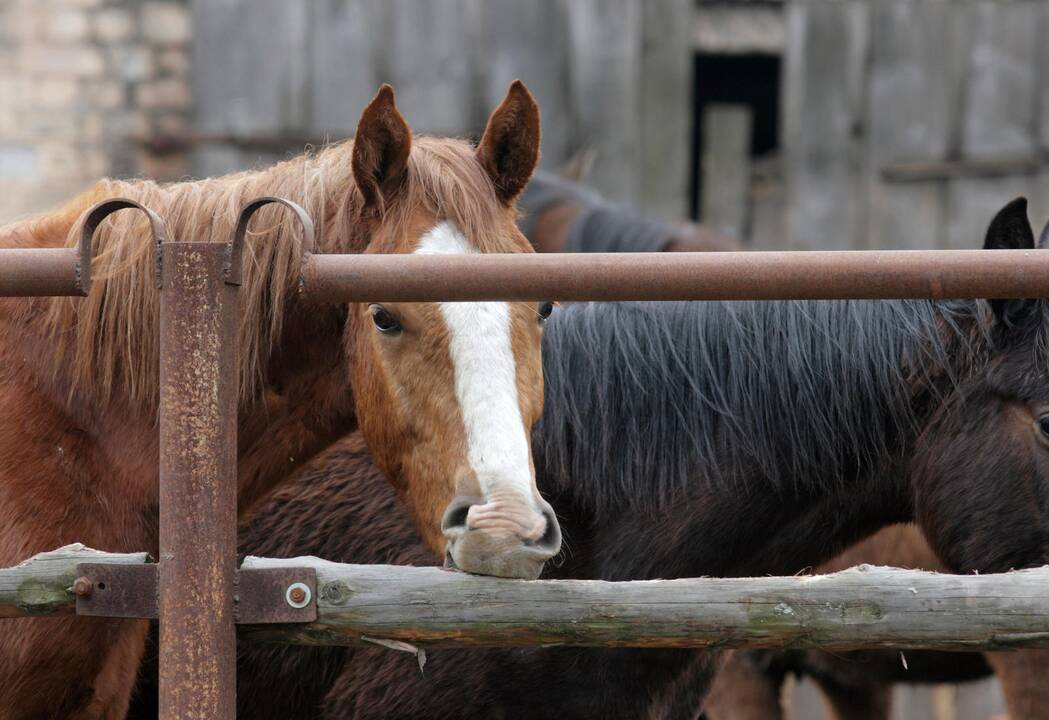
(446, 395)
(727, 439)
(732, 439)
(559, 215)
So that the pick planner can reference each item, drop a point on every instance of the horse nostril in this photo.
(455, 514)
(551, 539)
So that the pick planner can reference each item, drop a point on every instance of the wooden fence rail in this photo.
(864, 607)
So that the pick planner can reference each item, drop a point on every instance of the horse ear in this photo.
(381, 147)
(1010, 230)
(1043, 239)
(509, 148)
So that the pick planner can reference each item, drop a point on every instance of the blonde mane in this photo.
(108, 341)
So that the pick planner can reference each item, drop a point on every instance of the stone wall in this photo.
(79, 81)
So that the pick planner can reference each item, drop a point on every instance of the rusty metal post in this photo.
(198, 496)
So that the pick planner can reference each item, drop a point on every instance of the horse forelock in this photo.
(109, 340)
(645, 400)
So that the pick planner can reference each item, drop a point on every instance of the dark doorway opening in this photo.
(752, 80)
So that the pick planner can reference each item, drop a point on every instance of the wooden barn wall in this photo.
(611, 76)
(961, 88)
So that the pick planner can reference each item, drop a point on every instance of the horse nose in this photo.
(503, 536)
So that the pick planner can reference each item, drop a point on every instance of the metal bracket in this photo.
(263, 597)
(276, 595)
(121, 591)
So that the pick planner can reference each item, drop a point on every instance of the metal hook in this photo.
(234, 263)
(94, 217)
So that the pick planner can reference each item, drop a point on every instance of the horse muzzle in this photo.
(504, 536)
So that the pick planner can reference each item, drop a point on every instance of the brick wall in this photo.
(78, 80)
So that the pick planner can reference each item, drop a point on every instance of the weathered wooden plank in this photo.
(863, 607)
(998, 113)
(258, 84)
(972, 202)
(604, 71)
(429, 58)
(979, 700)
(824, 80)
(726, 168)
(736, 29)
(510, 29)
(911, 114)
(666, 107)
(344, 48)
(43, 584)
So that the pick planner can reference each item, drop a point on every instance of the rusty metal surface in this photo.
(278, 595)
(681, 276)
(122, 591)
(235, 263)
(41, 272)
(94, 217)
(198, 493)
(38, 272)
(262, 597)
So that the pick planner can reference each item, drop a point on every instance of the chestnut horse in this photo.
(729, 439)
(858, 685)
(445, 394)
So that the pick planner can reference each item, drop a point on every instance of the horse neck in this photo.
(306, 404)
(743, 529)
(304, 401)
(719, 510)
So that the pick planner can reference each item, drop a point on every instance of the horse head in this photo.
(447, 393)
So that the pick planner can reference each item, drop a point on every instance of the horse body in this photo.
(560, 215)
(856, 684)
(79, 378)
(723, 439)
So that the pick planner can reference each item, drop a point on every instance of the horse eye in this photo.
(1043, 425)
(384, 320)
(544, 310)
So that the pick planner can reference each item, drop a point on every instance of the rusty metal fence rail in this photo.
(197, 415)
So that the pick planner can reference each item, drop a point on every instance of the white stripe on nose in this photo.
(485, 378)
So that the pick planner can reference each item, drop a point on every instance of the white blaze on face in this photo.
(486, 388)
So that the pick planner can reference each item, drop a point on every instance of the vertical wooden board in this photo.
(999, 113)
(344, 44)
(666, 106)
(1000, 103)
(529, 41)
(429, 57)
(726, 168)
(972, 202)
(912, 702)
(979, 700)
(1038, 206)
(1043, 79)
(914, 91)
(250, 72)
(825, 74)
(213, 57)
(767, 217)
(604, 69)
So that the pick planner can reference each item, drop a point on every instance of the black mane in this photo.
(797, 394)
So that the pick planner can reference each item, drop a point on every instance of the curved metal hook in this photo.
(234, 262)
(94, 217)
